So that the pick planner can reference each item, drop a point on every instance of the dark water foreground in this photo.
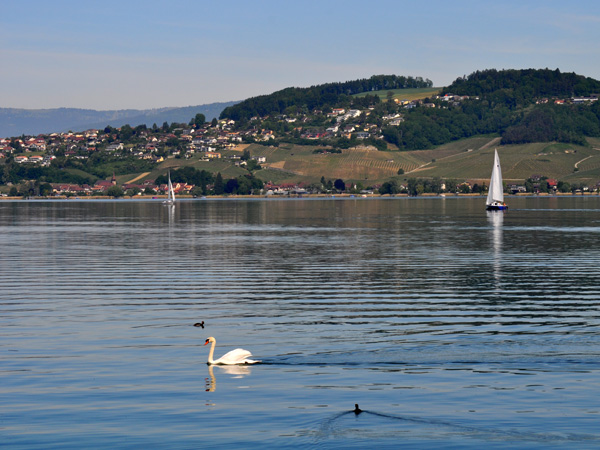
(449, 326)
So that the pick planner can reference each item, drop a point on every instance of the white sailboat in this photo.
(495, 198)
(170, 192)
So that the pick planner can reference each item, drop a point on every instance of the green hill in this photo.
(542, 121)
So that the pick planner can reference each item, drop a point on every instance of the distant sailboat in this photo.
(495, 198)
(170, 192)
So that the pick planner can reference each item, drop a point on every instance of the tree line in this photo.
(207, 183)
(523, 86)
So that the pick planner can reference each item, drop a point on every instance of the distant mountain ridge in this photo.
(16, 122)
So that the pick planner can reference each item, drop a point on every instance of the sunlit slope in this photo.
(519, 162)
(468, 159)
(405, 94)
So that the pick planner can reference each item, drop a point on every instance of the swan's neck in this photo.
(212, 351)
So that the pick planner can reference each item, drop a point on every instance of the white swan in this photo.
(237, 356)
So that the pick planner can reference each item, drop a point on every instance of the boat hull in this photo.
(496, 207)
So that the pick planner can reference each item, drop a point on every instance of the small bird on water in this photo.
(357, 410)
(199, 324)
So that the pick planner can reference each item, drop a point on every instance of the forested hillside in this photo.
(328, 95)
(522, 87)
(520, 105)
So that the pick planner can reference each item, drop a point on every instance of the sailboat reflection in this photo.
(237, 371)
(496, 219)
(171, 213)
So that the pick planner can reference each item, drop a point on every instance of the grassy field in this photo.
(468, 159)
(288, 163)
(404, 94)
(560, 161)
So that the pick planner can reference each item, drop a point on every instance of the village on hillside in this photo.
(142, 149)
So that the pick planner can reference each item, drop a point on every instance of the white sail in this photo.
(170, 192)
(496, 191)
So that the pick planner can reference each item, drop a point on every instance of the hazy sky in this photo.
(150, 54)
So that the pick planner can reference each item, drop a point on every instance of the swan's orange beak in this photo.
(206, 342)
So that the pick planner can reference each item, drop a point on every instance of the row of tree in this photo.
(245, 184)
(14, 173)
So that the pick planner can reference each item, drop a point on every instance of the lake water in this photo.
(449, 326)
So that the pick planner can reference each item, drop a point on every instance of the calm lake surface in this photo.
(449, 326)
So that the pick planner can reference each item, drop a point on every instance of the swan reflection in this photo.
(233, 371)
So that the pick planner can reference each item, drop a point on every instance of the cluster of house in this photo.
(35, 159)
(536, 181)
(149, 187)
(33, 144)
(205, 139)
(344, 127)
(102, 186)
(49, 142)
(565, 101)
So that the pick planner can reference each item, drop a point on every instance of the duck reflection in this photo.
(496, 220)
(236, 371)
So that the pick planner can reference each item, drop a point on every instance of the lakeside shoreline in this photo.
(292, 196)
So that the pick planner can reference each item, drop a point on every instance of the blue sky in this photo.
(150, 54)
